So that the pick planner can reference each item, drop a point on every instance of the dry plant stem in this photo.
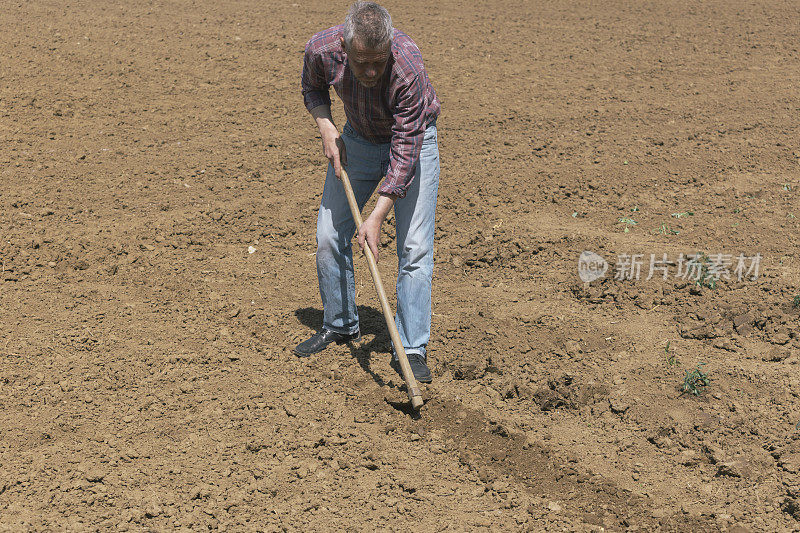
(414, 393)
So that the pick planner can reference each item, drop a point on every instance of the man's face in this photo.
(368, 65)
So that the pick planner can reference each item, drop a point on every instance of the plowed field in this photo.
(160, 179)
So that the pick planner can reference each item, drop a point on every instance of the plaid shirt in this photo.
(397, 110)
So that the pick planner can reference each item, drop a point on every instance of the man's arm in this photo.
(317, 99)
(332, 144)
(333, 147)
(408, 132)
(406, 145)
(407, 135)
(315, 88)
(370, 230)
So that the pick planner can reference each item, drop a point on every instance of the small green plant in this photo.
(696, 381)
(704, 278)
(787, 187)
(664, 230)
(670, 357)
(684, 214)
(628, 222)
(796, 301)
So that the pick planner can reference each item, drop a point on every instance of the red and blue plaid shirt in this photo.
(397, 110)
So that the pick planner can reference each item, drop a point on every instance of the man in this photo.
(391, 111)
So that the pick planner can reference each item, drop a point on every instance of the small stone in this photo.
(130, 453)
(152, 510)
(572, 347)
(660, 513)
(689, 458)
(791, 506)
(780, 338)
(777, 355)
(500, 486)
(531, 439)
(725, 344)
(732, 469)
(554, 507)
(617, 356)
(742, 320)
(95, 475)
(664, 442)
(618, 404)
(134, 514)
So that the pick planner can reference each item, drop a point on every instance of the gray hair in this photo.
(370, 23)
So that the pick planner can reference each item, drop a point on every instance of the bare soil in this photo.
(146, 378)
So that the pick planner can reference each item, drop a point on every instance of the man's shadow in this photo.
(371, 322)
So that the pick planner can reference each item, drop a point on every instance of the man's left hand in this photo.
(370, 233)
(370, 230)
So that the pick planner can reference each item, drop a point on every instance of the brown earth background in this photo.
(146, 382)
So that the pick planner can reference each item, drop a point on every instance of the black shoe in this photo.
(320, 340)
(418, 366)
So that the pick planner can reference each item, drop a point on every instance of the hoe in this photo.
(414, 393)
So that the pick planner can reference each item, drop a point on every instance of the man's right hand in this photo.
(332, 143)
(333, 148)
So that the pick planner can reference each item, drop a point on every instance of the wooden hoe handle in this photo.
(414, 393)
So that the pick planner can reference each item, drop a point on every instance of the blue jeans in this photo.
(367, 164)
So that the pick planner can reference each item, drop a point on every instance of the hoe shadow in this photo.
(405, 407)
(371, 322)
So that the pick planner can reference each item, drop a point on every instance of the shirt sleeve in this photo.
(408, 132)
(315, 86)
